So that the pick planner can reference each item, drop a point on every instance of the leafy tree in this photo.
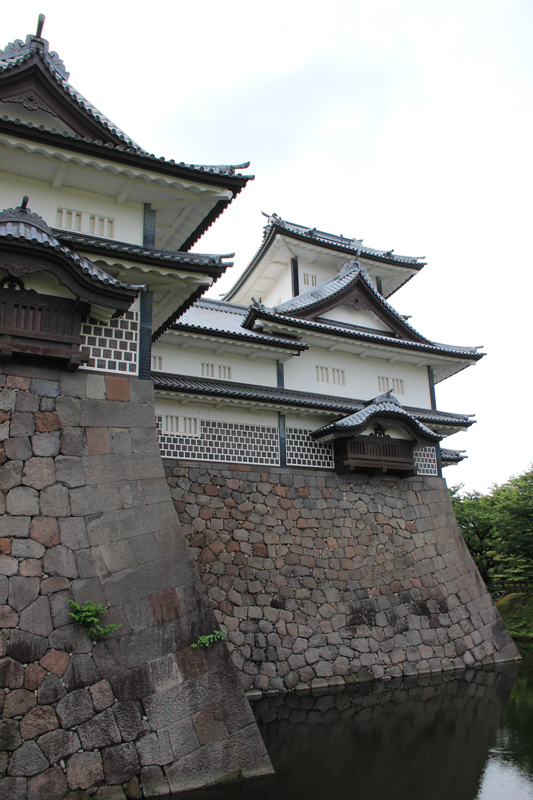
(498, 527)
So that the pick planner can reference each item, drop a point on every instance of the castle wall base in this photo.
(86, 514)
(324, 579)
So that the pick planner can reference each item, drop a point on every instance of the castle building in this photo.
(300, 509)
(102, 218)
(305, 363)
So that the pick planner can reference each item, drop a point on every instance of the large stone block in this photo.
(100, 731)
(44, 388)
(154, 782)
(50, 785)
(68, 410)
(75, 708)
(39, 473)
(100, 413)
(11, 475)
(16, 527)
(45, 531)
(74, 442)
(26, 647)
(50, 691)
(154, 748)
(18, 702)
(22, 424)
(23, 501)
(27, 760)
(18, 449)
(60, 561)
(9, 735)
(120, 763)
(8, 565)
(70, 639)
(80, 672)
(124, 524)
(11, 674)
(27, 548)
(46, 445)
(84, 770)
(129, 720)
(55, 501)
(39, 720)
(145, 580)
(22, 592)
(36, 618)
(13, 788)
(69, 471)
(73, 533)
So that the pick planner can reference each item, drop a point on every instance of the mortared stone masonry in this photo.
(322, 579)
(86, 513)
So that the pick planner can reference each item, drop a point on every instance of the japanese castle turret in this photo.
(282, 485)
(306, 363)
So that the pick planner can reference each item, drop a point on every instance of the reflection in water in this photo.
(509, 770)
(412, 739)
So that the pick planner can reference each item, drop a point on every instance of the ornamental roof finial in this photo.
(40, 23)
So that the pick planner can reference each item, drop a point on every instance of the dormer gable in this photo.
(34, 84)
(350, 289)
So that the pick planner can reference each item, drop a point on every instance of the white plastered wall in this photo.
(360, 375)
(261, 371)
(244, 415)
(364, 319)
(127, 217)
(281, 290)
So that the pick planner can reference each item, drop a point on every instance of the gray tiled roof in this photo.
(353, 247)
(356, 245)
(383, 404)
(17, 52)
(21, 224)
(226, 320)
(451, 456)
(132, 250)
(353, 333)
(350, 274)
(291, 397)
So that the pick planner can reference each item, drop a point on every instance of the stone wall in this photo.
(85, 513)
(321, 579)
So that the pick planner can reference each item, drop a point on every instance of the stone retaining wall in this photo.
(321, 579)
(85, 513)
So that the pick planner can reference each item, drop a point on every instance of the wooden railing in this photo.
(37, 325)
(374, 454)
(36, 319)
(379, 449)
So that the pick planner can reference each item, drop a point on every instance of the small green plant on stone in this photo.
(88, 616)
(209, 638)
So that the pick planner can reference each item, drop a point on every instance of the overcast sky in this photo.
(407, 123)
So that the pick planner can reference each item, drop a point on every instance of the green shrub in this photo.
(88, 616)
(209, 638)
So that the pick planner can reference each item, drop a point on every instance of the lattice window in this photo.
(386, 384)
(330, 375)
(84, 222)
(426, 461)
(176, 424)
(303, 451)
(220, 371)
(112, 346)
(222, 441)
(157, 363)
(309, 279)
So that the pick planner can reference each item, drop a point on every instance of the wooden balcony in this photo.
(34, 325)
(374, 454)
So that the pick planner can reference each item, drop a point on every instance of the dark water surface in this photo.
(460, 736)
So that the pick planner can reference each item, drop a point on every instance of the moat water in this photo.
(458, 736)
